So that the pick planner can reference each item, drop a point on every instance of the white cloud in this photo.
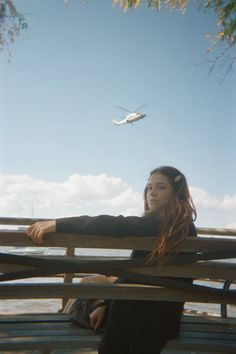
(22, 196)
(133, 211)
(127, 196)
(214, 212)
(229, 202)
(202, 199)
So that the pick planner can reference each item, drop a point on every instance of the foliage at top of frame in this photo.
(11, 23)
(225, 10)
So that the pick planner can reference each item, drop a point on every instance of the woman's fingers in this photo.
(93, 319)
(37, 231)
(96, 317)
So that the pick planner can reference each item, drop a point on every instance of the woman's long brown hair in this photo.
(173, 218)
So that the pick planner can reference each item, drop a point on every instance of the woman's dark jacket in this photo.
(132, 327)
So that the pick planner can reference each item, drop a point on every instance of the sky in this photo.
(60, 155)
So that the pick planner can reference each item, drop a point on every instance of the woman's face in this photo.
(159, 190)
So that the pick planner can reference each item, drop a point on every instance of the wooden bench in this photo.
(53, 331)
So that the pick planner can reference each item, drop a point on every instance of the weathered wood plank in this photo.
(205, 269)
(67, 328)
(20, 221)
(19, 238)
(50, 342)
(109, 291)
(204, 345)
(208, 269)
(197, 333)
(62, 317)
(189, 319)
(216, 231)
(209, 328)
(39, 330)
(192, 244)
(34, 317)
(25, 337)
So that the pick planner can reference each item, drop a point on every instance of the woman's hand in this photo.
(97, 316)
(37, 231)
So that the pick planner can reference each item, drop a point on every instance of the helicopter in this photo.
(131, 117)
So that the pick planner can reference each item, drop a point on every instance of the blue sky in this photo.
(71, 69)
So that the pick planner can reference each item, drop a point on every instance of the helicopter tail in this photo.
(114, 122)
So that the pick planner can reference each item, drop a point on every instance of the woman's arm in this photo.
(105, 225)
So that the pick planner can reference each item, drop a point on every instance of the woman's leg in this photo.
(91, 279)
(139, 327)
(133, 327)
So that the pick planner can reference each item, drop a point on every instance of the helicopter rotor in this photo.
(139, 108)
(136, 110)
(124, 109)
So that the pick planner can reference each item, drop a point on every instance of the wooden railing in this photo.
(207, 257)
(208, 247)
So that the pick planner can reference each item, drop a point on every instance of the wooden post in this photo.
(68, 278)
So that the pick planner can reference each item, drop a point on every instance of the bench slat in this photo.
(41, 331)
(31, 318)
(202, 334)
(203, 345)
(208, 328)
(50, 342)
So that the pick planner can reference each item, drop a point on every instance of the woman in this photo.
(139, 327)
